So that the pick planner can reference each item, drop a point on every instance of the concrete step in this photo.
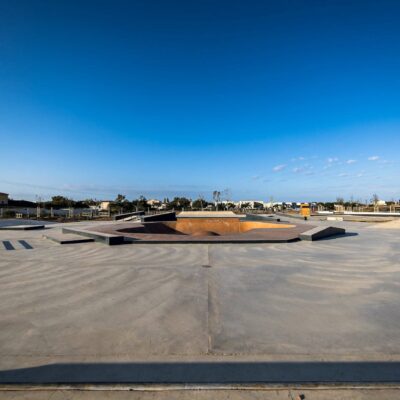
(100, 237)
(67, 238)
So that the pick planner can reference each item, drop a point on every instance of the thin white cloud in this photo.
(332, 160)
(351, 161)
(373, 158)
(301, 158)
(343, 174)
(279, 167)
(297, 170)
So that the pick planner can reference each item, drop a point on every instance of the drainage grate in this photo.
(25, 244)
(206, 266)
(7, 244)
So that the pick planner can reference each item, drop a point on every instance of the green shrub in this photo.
(8, 214)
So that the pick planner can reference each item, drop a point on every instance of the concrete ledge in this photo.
(21, 227)
(334, 218)
(100, 237)
(321, 232)
(67, 238)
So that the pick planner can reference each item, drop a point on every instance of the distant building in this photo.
(3, 198)
(339, 208)
(105, 205)
(250, 203)
(101, 206)
(154, 203)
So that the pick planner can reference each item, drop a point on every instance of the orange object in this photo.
(305, 210)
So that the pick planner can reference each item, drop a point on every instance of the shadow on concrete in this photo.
(207, 373)
(345, 235)
(151, 228)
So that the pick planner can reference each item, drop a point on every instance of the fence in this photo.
(40, 212)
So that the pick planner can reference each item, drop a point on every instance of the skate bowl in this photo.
(204, 228)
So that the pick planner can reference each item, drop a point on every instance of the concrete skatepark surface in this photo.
(219, 307)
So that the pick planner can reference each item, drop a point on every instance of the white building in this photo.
(153, 203)
(102, 205)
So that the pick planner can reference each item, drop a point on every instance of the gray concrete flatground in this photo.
(15, 222)
(278, 394)
(226, 312)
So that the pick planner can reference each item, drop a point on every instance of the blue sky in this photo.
(295, 100)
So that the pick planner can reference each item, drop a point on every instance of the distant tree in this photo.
(226, 194)
(120, 204)
(199, 204)
(245, 205)
(120, 199)
(230, 206)
(216, 198)
(61, 202)
(179, 203)
(223, 206)
(21, 203)
(90, 202)
(329, 206)
(375, 199)
(339, 200)
(81, 204)
(139, 204)
(258, 206)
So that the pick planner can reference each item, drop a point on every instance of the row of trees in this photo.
(55, 202)
(121, 203)
(141, 204)
(351, 202)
